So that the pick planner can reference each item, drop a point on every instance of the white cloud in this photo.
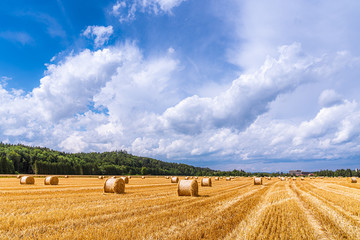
(89, 97)
(126, 10)
(329, 98)
(100, 33)
(4, 80)
(247, 98)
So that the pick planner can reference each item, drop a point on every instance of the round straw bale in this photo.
(216, 178)
(206, 182)
(143, 177)
(113, 177)
(228, 179)
(114, 185)
(353, 180)
(129, 177)
(101, 177)
(302, 178)
(66, 176)
(18, 176)
(51, 180)
(126, 179)
(258, 181)
(186, 178)
(268, 178)
(188, 188)
(27, 180)
(294, 178)
(174, 180)
(196, 177)
(282, 179)
(167, 177)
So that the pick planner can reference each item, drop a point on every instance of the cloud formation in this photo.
(100, 34)
(247, 98)
(126, 10)
(115, 98)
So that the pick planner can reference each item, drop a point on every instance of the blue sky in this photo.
(249, 85)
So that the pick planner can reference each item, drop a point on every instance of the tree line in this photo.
(338, 173)
(15, 159)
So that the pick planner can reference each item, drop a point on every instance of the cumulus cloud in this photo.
(100, 34)
(329, 98)
(247, 98)
(126, 10)
(88, 97)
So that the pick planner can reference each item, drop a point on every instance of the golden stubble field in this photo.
(77, 208)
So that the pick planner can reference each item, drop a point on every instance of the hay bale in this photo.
(302, 178)
(268, 178)
(196, 177)
(114, 185)
(113, 177)
(294, 178)
(217, 179)
(101, 177)
(27, 180)
(18, 176)
(66, 176)
(258, 181)
(129, 177)
(228, 179)
(188, 188)
(206, 182)
(126, 179)
(186, 178)
(283, 179)
(51, 180)
(167, 177)
(143, 177)
(174, 180)
(353, 180)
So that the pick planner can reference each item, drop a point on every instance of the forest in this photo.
(15, 159)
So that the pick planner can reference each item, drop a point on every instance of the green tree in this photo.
(144, 171)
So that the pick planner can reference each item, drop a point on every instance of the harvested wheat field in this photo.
(150, 208)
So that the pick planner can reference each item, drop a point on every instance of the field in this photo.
(77, 208)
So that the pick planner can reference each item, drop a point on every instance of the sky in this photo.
(253, 85)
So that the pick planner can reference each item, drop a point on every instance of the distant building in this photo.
(300, 173)
(295, 172)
